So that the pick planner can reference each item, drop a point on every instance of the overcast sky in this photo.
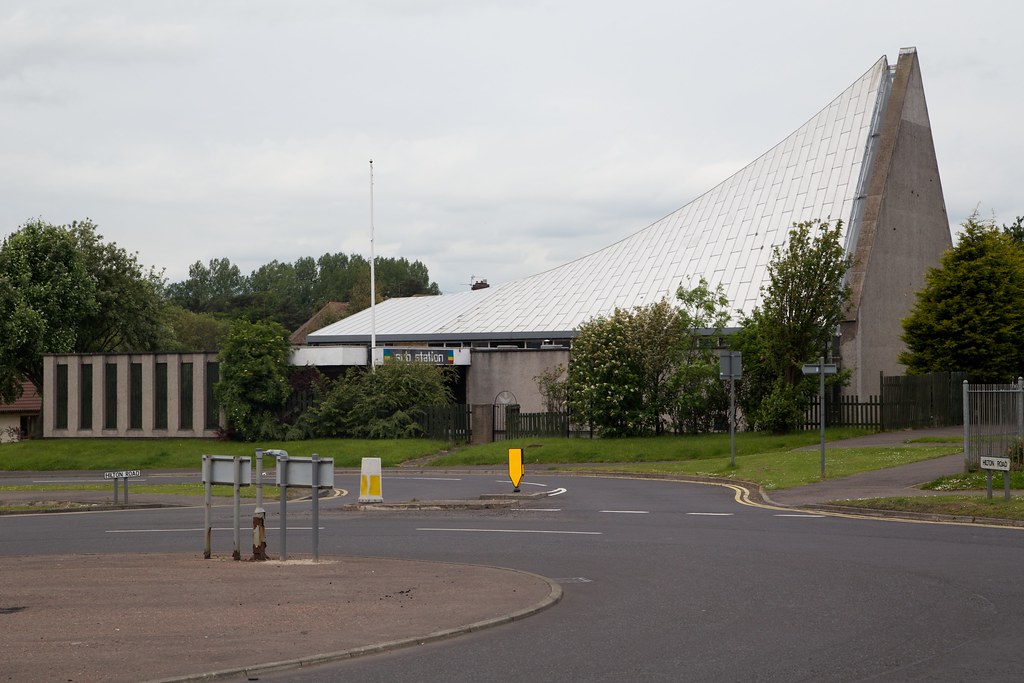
(508, 137)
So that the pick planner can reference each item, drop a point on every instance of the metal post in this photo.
(732, 420)
(316, 506)
(282, 482)
(967, 429)
(1020, 407)
(1006, 485)
(259, 477)
(125, 489)
(209, 494)
(989, 484)
(821, 407)
(881, 400)
(117, 486)
(237, 462)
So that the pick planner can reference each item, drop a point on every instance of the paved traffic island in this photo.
(179, 617)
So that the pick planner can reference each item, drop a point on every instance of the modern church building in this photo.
(867, 158)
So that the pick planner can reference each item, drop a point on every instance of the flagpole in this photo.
(373, 280)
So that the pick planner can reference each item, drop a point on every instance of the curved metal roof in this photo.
(726, 235)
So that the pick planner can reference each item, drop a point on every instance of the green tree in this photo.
(621, 367)
(699, 396)
(801, 308)
(47, 294)
(129, 314)
(375, 405)
(552, 385)
(195, 331)
(254, 379)
(210, 288)
(970, 314)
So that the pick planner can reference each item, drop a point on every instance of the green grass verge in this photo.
(781, 470)
(269, 491)
(634, 450)
(164, 454)
(966, 506)
(974, 481)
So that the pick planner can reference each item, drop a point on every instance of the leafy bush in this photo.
(378, 404)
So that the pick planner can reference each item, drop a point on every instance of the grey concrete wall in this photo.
(123, 362)
(493, 371)
(904, 232)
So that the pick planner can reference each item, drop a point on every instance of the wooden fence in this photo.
(844, 411)
(450, 423)
(520, 425)
(915, 401)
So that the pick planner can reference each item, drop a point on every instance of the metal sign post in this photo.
(731, 368)
(306, 473)
(989, 463)
(282, 483)
(315, 486)
(224, 469)
(821, 369)
(121, 475)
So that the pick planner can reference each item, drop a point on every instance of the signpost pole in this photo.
(315, 474)
(209, 495)
(821, 408)
(282, 482)
(237, 553)
(259, 477)
(732, 420)
(125, 489)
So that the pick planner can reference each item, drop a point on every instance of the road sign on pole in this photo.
(730, 367)
(821, 369)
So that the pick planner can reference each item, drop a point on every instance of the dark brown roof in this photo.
(332, 312)
(29, 402)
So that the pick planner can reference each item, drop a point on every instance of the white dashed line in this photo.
(626, 512)
(711, 514)
(514, 531)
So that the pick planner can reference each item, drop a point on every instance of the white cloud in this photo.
(508, 138)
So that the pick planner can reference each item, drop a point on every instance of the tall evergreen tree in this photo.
(970, 315)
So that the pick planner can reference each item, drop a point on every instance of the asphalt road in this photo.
(662, 581)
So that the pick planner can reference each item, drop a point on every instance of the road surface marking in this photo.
(711, 514)
(514, 531)
(626, 512)
(797, 515)
(197, 530)
(557, 492)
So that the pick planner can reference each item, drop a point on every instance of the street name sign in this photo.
(122, 474)
(815, 368)
(990, 463)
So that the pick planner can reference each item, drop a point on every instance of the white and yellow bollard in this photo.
(370, 482)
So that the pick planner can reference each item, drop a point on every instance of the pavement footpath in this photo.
(162, 617)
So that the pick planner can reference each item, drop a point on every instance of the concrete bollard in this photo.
(259, 534)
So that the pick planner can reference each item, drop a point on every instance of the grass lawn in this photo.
(636, 450)
(270, 491)
(966, 506)
(170, 454)
(769, 460)
(781, 470)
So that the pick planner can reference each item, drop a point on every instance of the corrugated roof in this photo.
(726, 236)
